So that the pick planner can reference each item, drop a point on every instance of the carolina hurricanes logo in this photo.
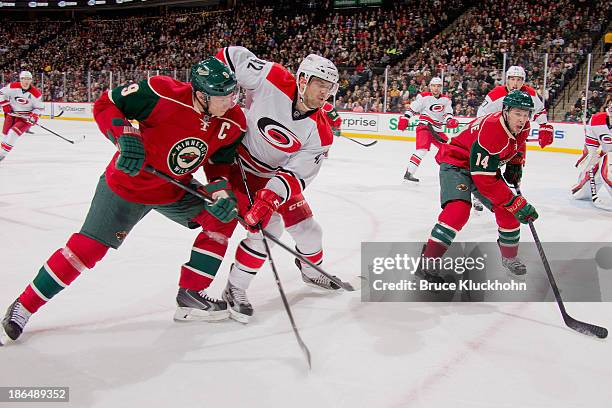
(607, 139)
(278, 135)
(436, 107)
(21, 100)
(186, 155)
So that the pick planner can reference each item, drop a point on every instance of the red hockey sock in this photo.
(61, 269)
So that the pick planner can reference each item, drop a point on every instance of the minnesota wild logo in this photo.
(186, 155)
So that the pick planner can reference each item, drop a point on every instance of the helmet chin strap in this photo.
(204, 104)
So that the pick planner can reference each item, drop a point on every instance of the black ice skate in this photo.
(197, 305)
(14, 321)
(239, 307)
(320, 281)
(427, 271)
(515, 268)
(477, 205)
(409, 177)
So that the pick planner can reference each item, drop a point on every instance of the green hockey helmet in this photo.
(518, 99)
(213, 78)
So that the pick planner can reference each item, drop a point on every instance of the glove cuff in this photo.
(269, 197)
(515, 204)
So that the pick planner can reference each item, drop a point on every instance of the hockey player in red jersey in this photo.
(182, 125)
(435, 110)
(288, 137)
(470, 164)
(595, 178)
(22, 105)
(515, 80)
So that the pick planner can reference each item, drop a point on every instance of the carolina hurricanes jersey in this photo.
(493, 102)
(22, 101)
(483, 147)
(281, 143)
(434, 110)
(598, 134)
(177, 138)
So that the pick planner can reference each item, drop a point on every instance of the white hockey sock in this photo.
(239, 278)
(8, 141)
(415, 160)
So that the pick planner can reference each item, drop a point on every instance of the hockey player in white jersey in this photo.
(288, 137)
(22, 105)
(435, 109)
(515, 79)
(595, 178)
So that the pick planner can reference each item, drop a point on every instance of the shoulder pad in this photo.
(529, 90)
(599, 119)
(492, 135)
(236, 116)
(498, 92)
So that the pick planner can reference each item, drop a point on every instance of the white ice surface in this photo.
(110, 337)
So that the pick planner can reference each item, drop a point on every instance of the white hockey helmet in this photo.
(320, 67)
(516, 71)
(435, 81)
(25, 75)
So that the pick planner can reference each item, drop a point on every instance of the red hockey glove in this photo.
(6, 107)
(266, 202)
(452, 123)
(33, 118)
(545, 135)
(402, 124)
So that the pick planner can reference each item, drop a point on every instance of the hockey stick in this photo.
(581, 327)
(594, 196)
(276, 277)
(58, 115)
(358, 142)
(344, 285)
(73, 141)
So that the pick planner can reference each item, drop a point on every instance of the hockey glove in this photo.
(452, 123)
(522, 210)
(513, 173)
(33, 118)
(131, 154)
(545, 135)
(336, 132)
(402, 123)
(266, 202)
(223, 206)
(6, 107)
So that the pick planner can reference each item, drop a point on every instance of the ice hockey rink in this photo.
(110, 337)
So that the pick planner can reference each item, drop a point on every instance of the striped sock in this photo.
(509, 241)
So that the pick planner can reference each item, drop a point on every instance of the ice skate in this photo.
(515, 268)
(408, 176)
(240, 308)
(14, 321)
(316, 279)
(198, 305)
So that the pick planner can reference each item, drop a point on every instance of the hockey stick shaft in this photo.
(360, 143)
(47, 129)
(345, 285)
(581, 327)
(303, 345)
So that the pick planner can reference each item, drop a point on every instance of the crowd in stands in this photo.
(415, 40)
(600, 93)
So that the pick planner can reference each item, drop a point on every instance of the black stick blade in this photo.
(586, 328)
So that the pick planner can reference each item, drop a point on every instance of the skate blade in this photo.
(320, 288)
(239, 317)
(188, 314)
